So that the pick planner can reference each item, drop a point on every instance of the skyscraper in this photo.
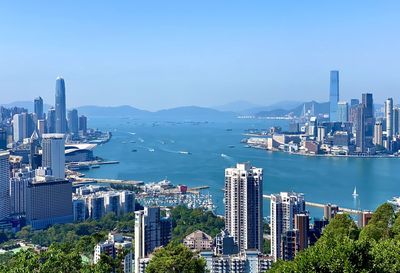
(19, 128)
(396, 120)
(83, 124)
(334, 95)
(343, 111)
(368, 102)
(61, 121)
(284, 207)
(38, 107)
(53, 154)
(4, 185)
(151, 231)
(378, 133)
(360, 128)
(389, 118)
(243, 205)
(51, 121)
(73, 121)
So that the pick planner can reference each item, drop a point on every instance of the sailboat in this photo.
(355, 194)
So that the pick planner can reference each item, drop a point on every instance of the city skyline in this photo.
(206, 51)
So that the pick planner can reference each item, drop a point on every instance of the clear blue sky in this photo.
(160, 54)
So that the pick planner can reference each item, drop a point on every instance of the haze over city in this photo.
(159, 54)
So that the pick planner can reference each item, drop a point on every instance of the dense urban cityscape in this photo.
(42, 155)
(199, 137)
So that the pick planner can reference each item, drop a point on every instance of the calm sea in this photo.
(321, 179)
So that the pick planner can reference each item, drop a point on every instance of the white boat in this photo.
(355, 194)
(151, 150)
(184, 152)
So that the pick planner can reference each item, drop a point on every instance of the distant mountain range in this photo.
(195, 113)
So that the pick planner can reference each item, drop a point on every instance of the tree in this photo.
(379, 227)
(175, 258)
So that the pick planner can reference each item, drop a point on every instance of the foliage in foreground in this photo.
(175, 258)
(345, 248)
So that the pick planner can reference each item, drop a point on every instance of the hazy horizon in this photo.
(157, 55)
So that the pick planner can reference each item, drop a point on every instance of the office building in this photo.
(19, 127)
(41, 127)
(360, 129)
(49, 202)
(321, 134)
(396, 121)
(53, 154)
(284, 207)
(151, 231)
(116, 244)
(38, 107)
(378, 133)
(4, 185)
(354, 102)
(243, 205)
(83, 124)
(3, 139)
(61, 120)
(73, 121)
(389, 118)
(51, 121)
(333, 95)
(342, 111)
(368, 103)
(198, 241)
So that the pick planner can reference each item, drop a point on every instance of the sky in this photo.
(163, 54)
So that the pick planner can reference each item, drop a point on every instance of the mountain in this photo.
(193, 113)
(111, 111)
(236, 106)
(282, 105)
(318, 108)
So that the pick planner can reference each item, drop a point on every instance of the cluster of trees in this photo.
(71, 244)
(186, 221)
(345, 248)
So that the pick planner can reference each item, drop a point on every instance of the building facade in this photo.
(53, 154)
(333, 95)
(61, 119)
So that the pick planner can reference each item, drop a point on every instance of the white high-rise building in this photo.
(284, 207)
(18, 190)
(389, 118)
(19, 127)
(53, 154)
(4, 185)
(243, 205)
(378, 133)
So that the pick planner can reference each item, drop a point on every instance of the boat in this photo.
(355, 194)
(184, 152)
(224, 155)
(96, 166)
(151, 150)
(247, 146)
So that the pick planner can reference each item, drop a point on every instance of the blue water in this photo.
(321, 179)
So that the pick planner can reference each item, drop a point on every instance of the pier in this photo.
(84, 180)
(321, 206)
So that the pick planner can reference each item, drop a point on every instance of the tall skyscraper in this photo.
(368, 102)
(389, 118)
(302, 224)
(243, 205)
(53, 154)
(343, 111)
(360, 128)
(151, 231)
(51, 121)
(378, 134)
(83, 124)
(73, 121)
(334, 95)
(284, 207)
(38, 107)
(61, 120)
(19, 128)
(4, 185)
(396, 121)
(3, 139)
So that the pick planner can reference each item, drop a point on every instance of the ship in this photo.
(184, 152)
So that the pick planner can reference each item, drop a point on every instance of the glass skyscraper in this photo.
(38, 107)
(61, 120)
(343, 111)
(334, 96)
